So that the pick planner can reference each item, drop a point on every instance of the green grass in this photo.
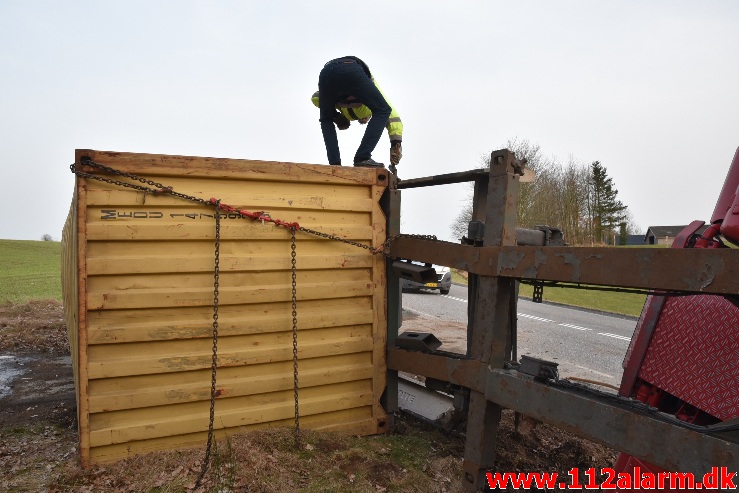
(612, 302)
(30, 270)
(605, 301)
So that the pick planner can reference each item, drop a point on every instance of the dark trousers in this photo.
(341, 78)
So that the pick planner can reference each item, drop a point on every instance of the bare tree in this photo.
(523, 149)
(567, 196)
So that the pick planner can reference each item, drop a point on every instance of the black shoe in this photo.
(336, 164)
(368, 163)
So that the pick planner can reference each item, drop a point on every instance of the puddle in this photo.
(11, 367)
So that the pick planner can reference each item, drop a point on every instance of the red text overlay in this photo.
(717, 478)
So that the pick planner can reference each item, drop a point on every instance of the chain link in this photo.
(383, 248)
(159, 189)
(214, 361)
(153, 188)
(295, 334)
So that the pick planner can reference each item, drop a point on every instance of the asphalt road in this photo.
(585, 344)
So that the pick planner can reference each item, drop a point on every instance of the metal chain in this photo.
(158, 189)
(295, 335)
(214, 361)
(383, 248)
(153, 188)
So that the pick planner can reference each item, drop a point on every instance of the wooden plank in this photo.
(235, 191)
(158, 349)
(195, 215)
(354, 420)
(161, 297)
(247, 319)
(70, 282)
(200, 357)
(131, 384)
(207, 167)
(264, 248)
(130, 425)
(239, 229)
(83, 405)
(227, 278)
(204, 263)
(258, 381)
(240, 194)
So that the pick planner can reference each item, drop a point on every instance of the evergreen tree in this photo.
(623, 236)
(607, 210)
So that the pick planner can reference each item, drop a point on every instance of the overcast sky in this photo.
(648, 88)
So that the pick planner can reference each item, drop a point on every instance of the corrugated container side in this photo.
(138, 276)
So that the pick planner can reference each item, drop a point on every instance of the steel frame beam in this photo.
(633, 431)
(488, 331)
(390, 203)
(695, 270)
(672, 447)
(494, 268)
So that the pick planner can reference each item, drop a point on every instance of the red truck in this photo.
(684, 356)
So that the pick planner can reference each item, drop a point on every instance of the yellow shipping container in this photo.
(138, 282)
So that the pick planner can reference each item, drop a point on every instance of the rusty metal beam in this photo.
(488, 334)
(390, 204)
(611, 424)
(697, 270)
(673, 447)
(469, 373)
(446, 179)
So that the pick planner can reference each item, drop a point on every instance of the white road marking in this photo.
(532, 317)
(453, 298)
(574, 327)
(615, 336)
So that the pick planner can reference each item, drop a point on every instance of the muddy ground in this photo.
(38, 435)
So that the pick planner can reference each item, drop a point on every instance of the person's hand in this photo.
(396, 152)
(341, 121)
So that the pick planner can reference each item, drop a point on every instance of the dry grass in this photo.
(267, 461)
(35, 326)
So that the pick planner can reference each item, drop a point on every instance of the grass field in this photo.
(30, 270)
(622, 303)
(612, 302)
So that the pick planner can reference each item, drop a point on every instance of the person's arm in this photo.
(395, 131)
(340, 120)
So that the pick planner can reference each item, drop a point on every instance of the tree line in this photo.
(580, 199)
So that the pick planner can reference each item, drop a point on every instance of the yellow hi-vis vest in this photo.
(394, 125)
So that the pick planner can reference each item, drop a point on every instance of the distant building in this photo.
(665, 235)
(632, 240)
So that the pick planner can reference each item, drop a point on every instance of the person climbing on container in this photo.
(346, 92)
